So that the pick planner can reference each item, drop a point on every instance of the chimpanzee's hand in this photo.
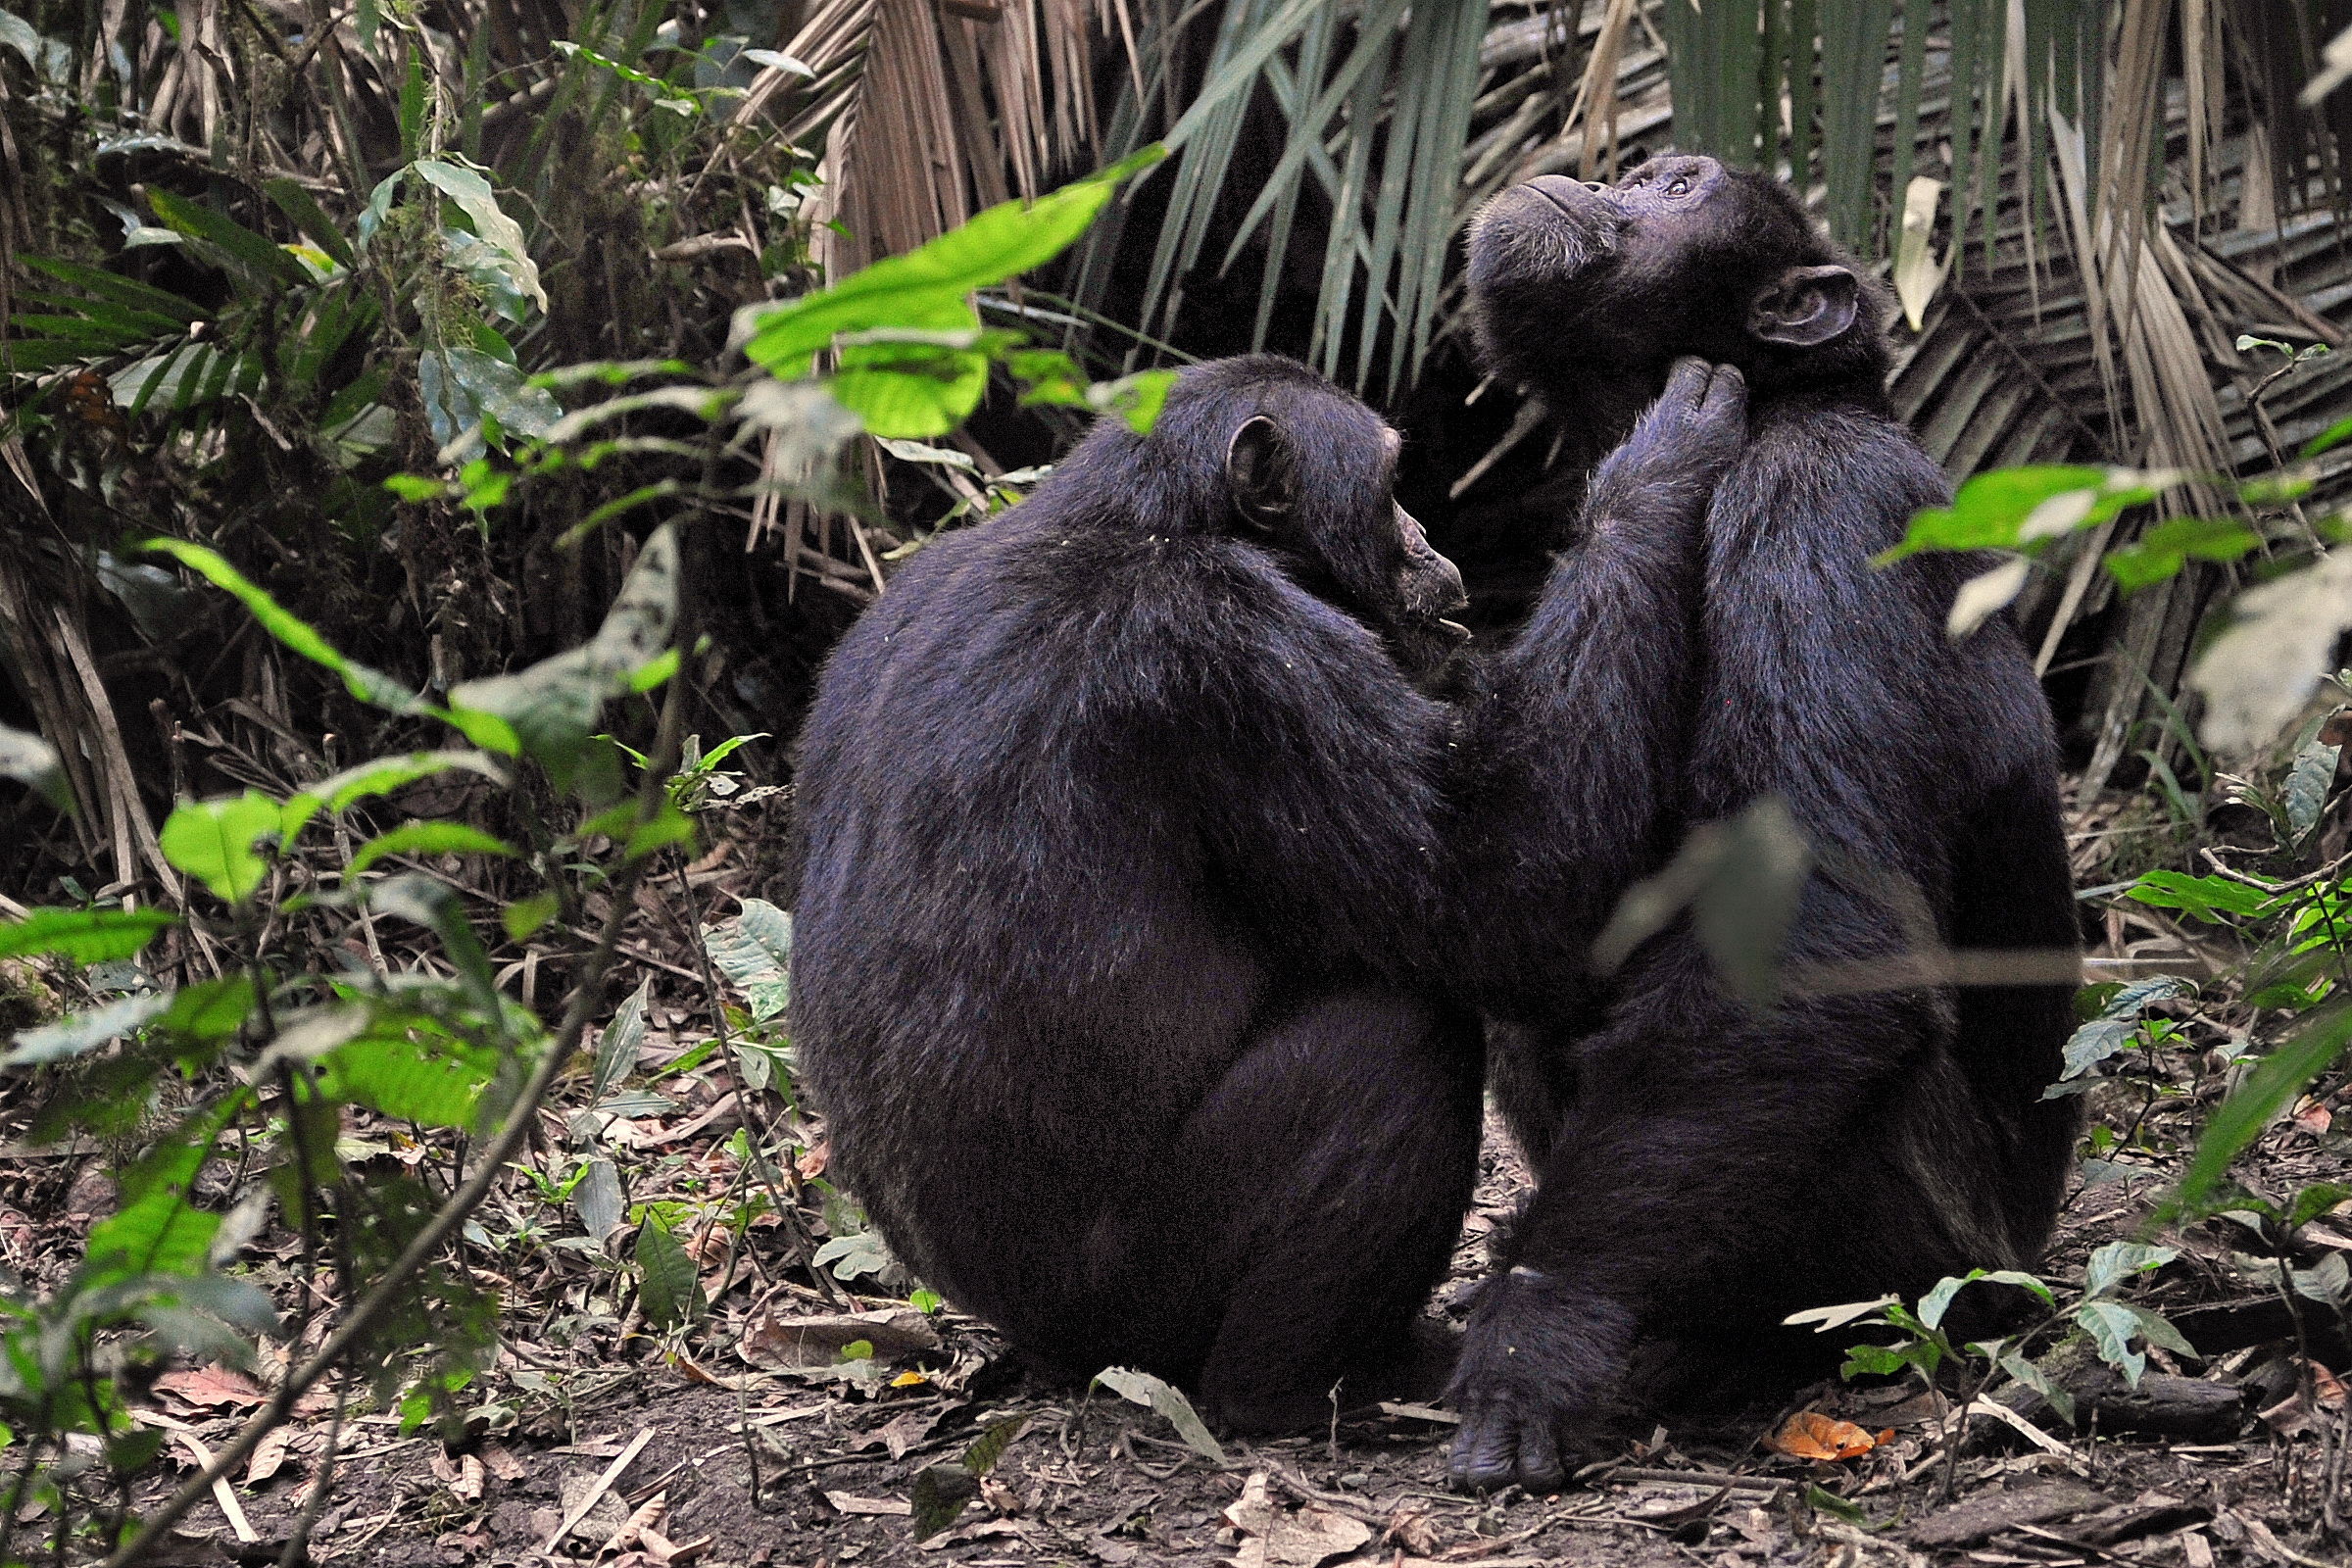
(1538, 1367)
(1661, 479)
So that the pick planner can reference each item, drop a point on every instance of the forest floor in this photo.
(748, 1440)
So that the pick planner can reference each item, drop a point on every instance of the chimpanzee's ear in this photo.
(1259, 468)
(1805, 307)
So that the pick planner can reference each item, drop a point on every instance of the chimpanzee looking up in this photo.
(1118, 855)
(1705, 1167)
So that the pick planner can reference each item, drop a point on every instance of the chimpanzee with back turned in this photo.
(1704, 1166)
(1122, 956)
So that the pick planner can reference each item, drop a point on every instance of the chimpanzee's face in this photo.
(1610, 276)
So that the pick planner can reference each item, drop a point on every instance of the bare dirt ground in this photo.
(598, 1439)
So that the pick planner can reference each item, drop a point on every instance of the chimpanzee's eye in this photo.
(1678, 188)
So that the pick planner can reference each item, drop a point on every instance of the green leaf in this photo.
(666, 1282)
(210, 1010)
(2163, 549)
(29, 759)
(925, 288)
(859, 1252)
(309, 217)
(212, 842)
(437, 907)
(2033, 1377)
(262, 262)
(1142, 1388)
(2320, 1036)
(547, 711)
(129, 293)
(474, 196)
(1992, 511)
(2111, 1327)
(159, 1232)
(428, 838)
(79, 1033)
(2157, 1329)
(938, 1496)
(86, 936)
(1834, 1506)
(616, 1051)
(524, 917)
(2316, 1199)
(755, 952)
(368, 685)
(982, 1456)
(2117, 1261)
(2113, 1029)
(438, 1083)
(2205, 898)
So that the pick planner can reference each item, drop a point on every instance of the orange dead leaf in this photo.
(1810, 1434)
(811, 1163)
(213, 1387)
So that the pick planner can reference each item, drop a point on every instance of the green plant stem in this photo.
(452, 1214)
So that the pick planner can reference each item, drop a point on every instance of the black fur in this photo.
(1119, 846)
(1703, 1167)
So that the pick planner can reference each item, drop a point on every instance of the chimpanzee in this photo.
(1705, 1167)
(1120, 962)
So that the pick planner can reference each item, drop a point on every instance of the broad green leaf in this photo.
(438, 1085)
(1142, 1388)
(1937, 1302)
(124, 291)
(2205, 898)
(617, 1050)
(79, 1033)
(2256, 676)
(159, 1232)
(925, 287)
(210, 1010)
(525, 916)
(666, 1282)
(212, 842)
(2307, 785)
(550, 709)
(2113, 1029)
(849, 1257)
(2117, 1261)
(2318, 1198)
(86, 936)
(2111, 1327)
(982, 1456)
(2163, 549)
(474, 196)
(461, 385)
(2157, 1329)
(755, 952)
(428, 838)
(299, 205)
(368, 685)
(2320, 1038)
(1993, 509)
(2059, 1399)
(261, 257)
(31, 760)
(597, 1200)
(435, 906)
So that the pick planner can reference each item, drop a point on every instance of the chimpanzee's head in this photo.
(1682, 256)
(1300, 467)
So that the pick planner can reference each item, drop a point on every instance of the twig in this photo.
(604, 1484)
(1700, 1478)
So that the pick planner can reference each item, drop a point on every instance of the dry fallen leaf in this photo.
(214, 1386)
(269, 1455)
(1279, 1538)
(1810, 1434)
(774, 1340)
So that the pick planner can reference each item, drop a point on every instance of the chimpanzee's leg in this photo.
(1314, 1199)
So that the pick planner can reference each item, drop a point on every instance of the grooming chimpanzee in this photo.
(1705, 1167)
(1119, 963)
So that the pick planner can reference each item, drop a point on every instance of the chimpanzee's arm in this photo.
(1565, 783)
